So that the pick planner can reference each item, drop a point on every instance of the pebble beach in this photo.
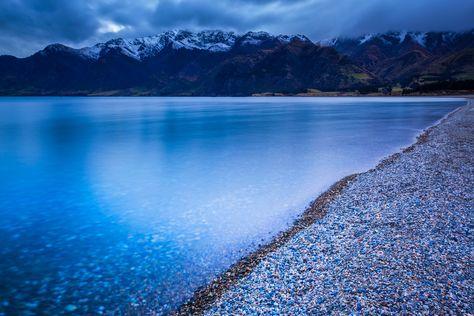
(395, 239)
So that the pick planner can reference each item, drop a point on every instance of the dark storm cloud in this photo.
(28, 25)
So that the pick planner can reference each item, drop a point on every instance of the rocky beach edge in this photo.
(395, 239)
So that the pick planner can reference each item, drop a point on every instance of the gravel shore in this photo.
(396, 239)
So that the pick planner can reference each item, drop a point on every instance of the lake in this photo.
(130, 204)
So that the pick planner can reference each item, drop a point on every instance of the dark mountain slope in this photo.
(225, 63)
(290, 68)
(410, 58)
(180, 64)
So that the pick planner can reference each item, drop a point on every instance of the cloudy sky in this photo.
(29, 25)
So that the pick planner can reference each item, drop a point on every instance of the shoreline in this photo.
(317, 209)
(461, 94)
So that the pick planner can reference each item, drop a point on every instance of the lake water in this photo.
(130, 204)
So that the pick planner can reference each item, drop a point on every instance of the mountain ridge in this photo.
(147, 46)
(409, 58)
(216, 62)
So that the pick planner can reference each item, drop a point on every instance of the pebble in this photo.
(70, 308)
(397, 240)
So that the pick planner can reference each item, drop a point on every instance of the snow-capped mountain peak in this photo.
(143, 47)
(257, 38)
(289, 38)
(393, 38)
(254, 38)
(211, 40)
(215, 41)
(366, 38)
(389, 38)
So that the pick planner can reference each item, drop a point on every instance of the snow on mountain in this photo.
(328, 42)
(289, 38)
(214, 41)
(143, 47)
(420, 38)
(92, 52)
(401, 36)
(221, 41)
(257, 38)
(389, 38)
(366, 38)
(254, 38)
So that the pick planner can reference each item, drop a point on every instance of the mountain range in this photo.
(225, 63)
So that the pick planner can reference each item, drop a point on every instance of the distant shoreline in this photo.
(460, 94)
(353, 94)
(317, 209)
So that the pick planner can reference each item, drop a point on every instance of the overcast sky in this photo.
(28, 25)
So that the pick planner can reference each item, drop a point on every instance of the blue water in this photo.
(129, 204)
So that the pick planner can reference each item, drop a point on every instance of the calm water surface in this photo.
(129, 204)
